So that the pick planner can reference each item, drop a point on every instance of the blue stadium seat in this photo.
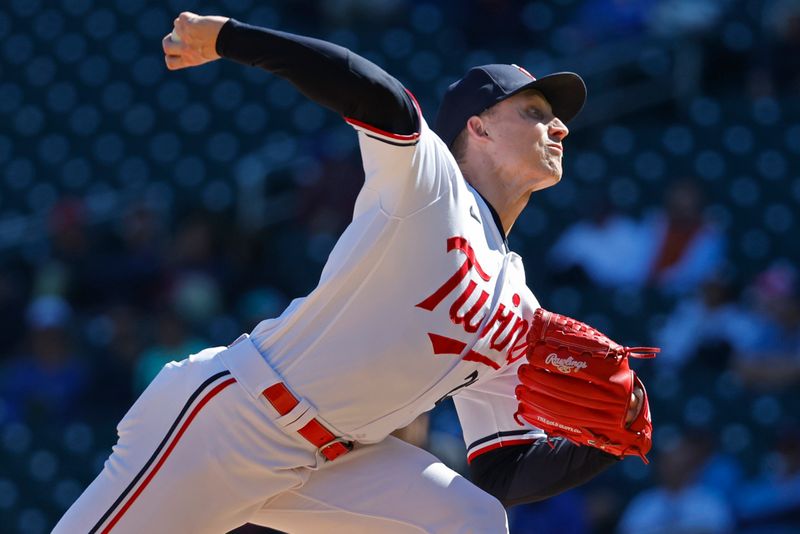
(9, 494)
(590, 166)
(19, 174)
(70, 48)
(738, 139)
(222, 147)
(678, 140)
(6, 149)
(29, 121)
(18, 49)
(172, 95)
(705, 111)
(16, 437)
(108, 148)
(617, 140)
(76, 7)
(308, 117)
(139, 119)
(397, 43)
(76, 174)
(134, 173)
(710, 165)
(227, 95)
(251, 117)
(130, 7)
(190, 171)
(649, 165)
(42, 465)
(766, 111)
(426, 19)
(85, 120)
(94, 71)
(48, 25)
(148, 70)
(40, 71)
(165, 147)
(61, 97)
(154, 23)
(772, 165)
(125, 47)
(41, 198)
(194, 118)
(537, 16)
(100, 24)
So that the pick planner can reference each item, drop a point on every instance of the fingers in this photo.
(173, 51)
(183, 20)
(172, 47)
(175, 62)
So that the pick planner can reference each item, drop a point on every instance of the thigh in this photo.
(194, 454)
(392, 488)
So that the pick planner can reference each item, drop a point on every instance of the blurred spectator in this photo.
(116, 337)
(49, 379)
(705, 328)
(173, 343)
(674, 18)
(600, 20)
(688, 248)
(67, 270)
(771, 502)
(14, 287)
(717, 470)
(128, 266)
(605, 249)
(677, 505)
(772, 359)
(199, 270)
(260, 304)
(782, 24)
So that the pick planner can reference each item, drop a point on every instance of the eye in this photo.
(536, 113)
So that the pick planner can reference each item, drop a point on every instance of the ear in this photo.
(476, 126)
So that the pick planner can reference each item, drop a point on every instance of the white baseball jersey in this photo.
(420, 299)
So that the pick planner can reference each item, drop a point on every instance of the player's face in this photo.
(527, 139)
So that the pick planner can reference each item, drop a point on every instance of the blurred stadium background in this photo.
(146, 214)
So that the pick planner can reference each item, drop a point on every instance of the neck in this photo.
(500, 195)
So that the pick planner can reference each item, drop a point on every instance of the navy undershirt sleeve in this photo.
(527, 473)
(326, 73)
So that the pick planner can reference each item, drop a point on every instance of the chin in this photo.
(544, 184)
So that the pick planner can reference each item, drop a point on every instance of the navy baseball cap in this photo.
(483, 87)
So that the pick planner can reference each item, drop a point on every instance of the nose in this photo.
(557, 130)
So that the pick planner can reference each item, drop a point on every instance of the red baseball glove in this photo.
(577, 384)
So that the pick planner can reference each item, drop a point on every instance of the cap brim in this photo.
(564, 91)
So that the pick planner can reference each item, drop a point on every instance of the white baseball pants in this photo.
(201, 452)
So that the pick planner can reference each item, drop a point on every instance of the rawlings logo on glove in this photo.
(577, 384)
(566, 366)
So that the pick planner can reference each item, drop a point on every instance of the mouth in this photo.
(555, 147)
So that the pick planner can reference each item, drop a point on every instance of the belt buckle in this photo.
(341, 447)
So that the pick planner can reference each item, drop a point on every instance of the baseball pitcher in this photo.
(421, 299)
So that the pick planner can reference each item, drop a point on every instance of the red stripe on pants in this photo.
(211, 394)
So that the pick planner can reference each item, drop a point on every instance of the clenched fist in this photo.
(192, 41)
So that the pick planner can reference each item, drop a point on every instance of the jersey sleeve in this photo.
(486, 412)
(405, 173)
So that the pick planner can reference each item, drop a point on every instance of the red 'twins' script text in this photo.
(507, 327)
